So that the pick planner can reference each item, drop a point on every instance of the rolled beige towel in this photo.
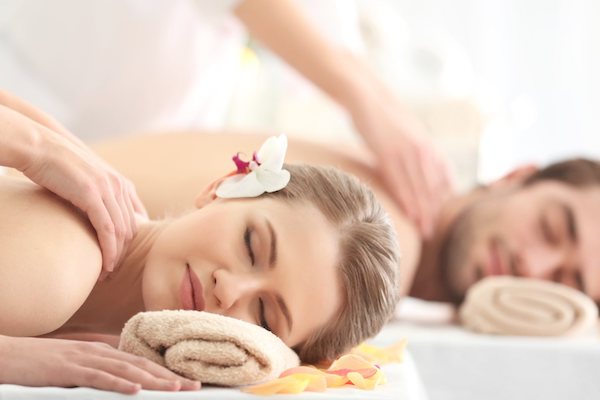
(506, 305)
(211, 348)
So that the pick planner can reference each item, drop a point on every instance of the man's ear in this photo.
(517, 175)
(209, 194)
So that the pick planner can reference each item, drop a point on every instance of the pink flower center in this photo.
(243, 167)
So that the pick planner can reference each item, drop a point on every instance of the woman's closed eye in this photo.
(248, 242)
(261, 315)
(262, 320)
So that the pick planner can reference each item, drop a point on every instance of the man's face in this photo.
(547, 230)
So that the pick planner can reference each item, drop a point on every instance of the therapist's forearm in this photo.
(18, 139)
(37, 115)
(284, 29)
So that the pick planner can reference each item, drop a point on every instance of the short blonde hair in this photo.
(369, 257)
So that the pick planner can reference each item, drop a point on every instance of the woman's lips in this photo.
(191, 292)
(197, 290)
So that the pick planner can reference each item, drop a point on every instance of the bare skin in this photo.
(61, 297)
(45, 243)
(169, 169)
(152, 162)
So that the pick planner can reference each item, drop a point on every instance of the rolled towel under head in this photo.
(207, 347)
(506, 305)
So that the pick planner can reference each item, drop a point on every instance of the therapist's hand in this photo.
(52, 157)
(78, 175)
(67, 363)
(418, 176)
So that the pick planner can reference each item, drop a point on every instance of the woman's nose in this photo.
(232, 287)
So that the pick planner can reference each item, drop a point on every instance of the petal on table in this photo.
(301, 370)
(350, 361)
(381, 355)
(288, 385)
(364, 383)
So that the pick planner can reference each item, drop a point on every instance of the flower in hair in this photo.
(264, 173)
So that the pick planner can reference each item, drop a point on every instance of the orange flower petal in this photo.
(350, 361)
(301, 370)
(365, 372)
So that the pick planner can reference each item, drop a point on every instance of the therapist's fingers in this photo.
(129, 204)
(129, 191)
(439, 175)
(137, 204)
(431, 185)
(111, 245)
(106, 203)
(122, 212)
(397, 139)
(393, 172)
(130, 222)
(418, 180)
(397, 161)
(445, 181)
(130, 214)
(66, 166)
(124, 218)
(98, 212)
(421, 192)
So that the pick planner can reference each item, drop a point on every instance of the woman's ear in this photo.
(209, 194)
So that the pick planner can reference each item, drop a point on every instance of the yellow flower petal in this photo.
(381, 355)
(301, 370)
(357, 368)
(363, 383)
(288, 385)
(317, 383)
(335, 380)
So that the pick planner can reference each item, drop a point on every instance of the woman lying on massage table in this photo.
(314, 260)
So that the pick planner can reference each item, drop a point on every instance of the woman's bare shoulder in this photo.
(49, 259)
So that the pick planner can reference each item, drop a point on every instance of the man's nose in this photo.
(231, 287)
(553, 263)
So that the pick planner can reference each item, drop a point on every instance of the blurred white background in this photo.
(498, 82)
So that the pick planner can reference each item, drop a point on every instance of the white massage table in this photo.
(443, 362)
(404, 383)
(456, 364)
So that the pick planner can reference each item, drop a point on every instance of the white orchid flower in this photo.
(264, 173)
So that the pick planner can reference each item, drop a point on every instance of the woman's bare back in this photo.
(49, 259)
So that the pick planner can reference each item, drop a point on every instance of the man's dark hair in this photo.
(578, 172)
